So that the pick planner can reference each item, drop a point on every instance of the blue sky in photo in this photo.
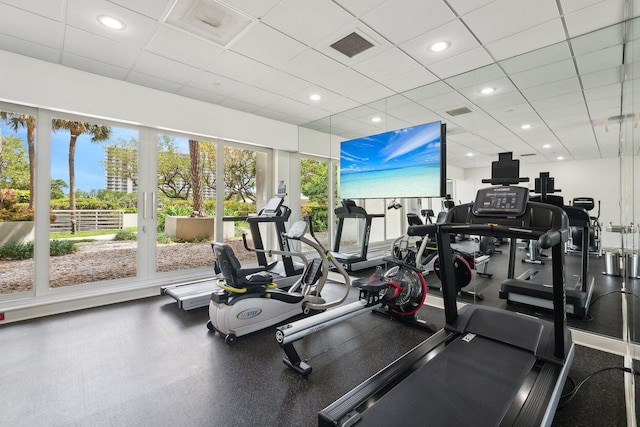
(402, 148)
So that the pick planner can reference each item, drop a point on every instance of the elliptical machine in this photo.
(247, 300)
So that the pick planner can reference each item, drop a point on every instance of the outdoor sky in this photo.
(89, 157)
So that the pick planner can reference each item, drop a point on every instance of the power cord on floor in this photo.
(619, 291)
(570, 395)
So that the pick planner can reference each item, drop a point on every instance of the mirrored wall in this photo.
(569, 109)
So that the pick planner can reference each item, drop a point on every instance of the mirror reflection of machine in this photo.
(363, 258)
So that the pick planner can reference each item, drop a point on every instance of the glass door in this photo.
(94, 197)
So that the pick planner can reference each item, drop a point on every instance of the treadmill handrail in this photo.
(546, 238)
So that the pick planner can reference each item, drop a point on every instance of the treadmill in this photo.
(195, 294)
(533, 286)
(486, 366)
(363, 259)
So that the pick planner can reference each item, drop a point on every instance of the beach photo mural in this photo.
(402, 163)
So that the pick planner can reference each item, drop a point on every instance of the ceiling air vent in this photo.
(527, 155)
(459, 111)
(352, 45)
(208, 19)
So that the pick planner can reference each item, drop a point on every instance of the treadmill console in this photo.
(505, 201)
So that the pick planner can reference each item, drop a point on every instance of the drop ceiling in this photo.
(556, 65)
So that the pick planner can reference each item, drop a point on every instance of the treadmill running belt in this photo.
(469, 384)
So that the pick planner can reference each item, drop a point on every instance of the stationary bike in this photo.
(424, 251)
(247, 300)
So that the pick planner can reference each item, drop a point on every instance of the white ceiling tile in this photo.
(98, 48)
(34, 28)
(460, 39)
(84, 13)
(502, 86)
(27, 48)
(600, 15)
(278, 81)
(346, 82)
(445, 101)
(339, 105)
(475, 78)
(304, 94)
(462, 63)
(152, 82)
(599, 60)
(322, 19)
(413, 79)
(555, 102)
(288, 106)
(515, 17)
(94, 66)
(267, 45)
(256, 9)
(154, 9)
(312, 66)
(237, 67)
(215, 83)
(505, 102)
(538, 58)
(545, 74)
(603, 92)
(51, 9)
(462, 7)
(402, 20)
(525, 41)
(428, 91)
(359, 7)
(601, 39)
(255, 96)
(183, 47)
(154, 65)
(571, 6)
(560, 87)
(602, 78)
(387, 64)
(371, 93)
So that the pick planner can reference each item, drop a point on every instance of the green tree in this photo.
(96, 132)
(56, 188)
(240, 174)
(314, 183)
(16, 121)
(174, 179)
(14, 168)
(195, 175)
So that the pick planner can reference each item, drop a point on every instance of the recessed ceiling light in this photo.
(315, 97)
(488, 90)
(111, 22)
(376, 119)
(469, 154)
(546, 146)
(525, 126)
(439, 46)
(560, 158)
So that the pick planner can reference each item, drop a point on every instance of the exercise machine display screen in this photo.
(505, 201)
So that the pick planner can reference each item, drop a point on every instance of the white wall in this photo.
(43, 84)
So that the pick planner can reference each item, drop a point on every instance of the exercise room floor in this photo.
(148, 363)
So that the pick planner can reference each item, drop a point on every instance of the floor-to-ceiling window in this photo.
(17, 200)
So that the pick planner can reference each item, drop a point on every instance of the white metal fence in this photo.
(86, 220)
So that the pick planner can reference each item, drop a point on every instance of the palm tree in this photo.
(98, 133)
(196, 177)
(16, 121)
